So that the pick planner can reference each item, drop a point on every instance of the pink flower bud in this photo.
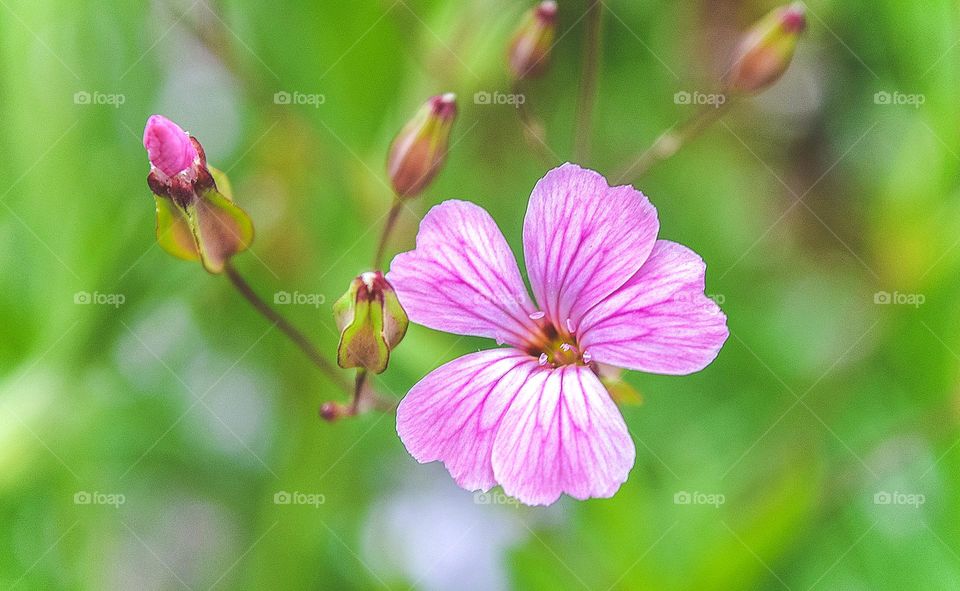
(420, 149)
(170, 149)
(178, 166)
(529, 53)
(765, 52)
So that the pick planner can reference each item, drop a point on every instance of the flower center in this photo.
(558, 348)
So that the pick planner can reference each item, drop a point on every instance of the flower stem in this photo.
(533, 129)
(364, 399)
(358, 386)
(387, 230)
(672, 140)
(588, 79)
(288, 329)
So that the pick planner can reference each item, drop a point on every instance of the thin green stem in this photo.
(288, 329)
(359, 384)
(364, 399)
(672, 140)
(533, 129)
(589, 71)
(387, 231)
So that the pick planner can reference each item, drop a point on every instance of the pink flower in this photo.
(170, 149)
(534, 417)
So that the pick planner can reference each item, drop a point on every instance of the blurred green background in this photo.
(143, 443)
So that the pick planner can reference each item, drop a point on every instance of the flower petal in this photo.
(583, 239)
(453, 413)
(660, 321)
(562, 434)
(462, 277)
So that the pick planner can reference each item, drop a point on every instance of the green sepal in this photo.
(362, 342)
(623, 393)
(223, 182)
(396, 321)
(620, 391)
(211, 228)
(221, 229)
(174, 234)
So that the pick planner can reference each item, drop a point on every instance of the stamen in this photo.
(569, 324)
(543, 359)
(537, 315)
(587, 356)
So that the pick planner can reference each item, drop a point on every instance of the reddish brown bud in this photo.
(766, 51)
(420, 149)
(529, 53)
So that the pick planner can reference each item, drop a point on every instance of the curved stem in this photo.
(672, 140)
(533, 129)
(588, 80)
(364, 399)
(288, 329)
(387, 230)
(358, 386)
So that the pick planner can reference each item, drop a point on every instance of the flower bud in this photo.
(529, 53)
(196, 219)
(765, 52)
(420, 149)
(169, 147)
(178, 165)
(371, 323)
